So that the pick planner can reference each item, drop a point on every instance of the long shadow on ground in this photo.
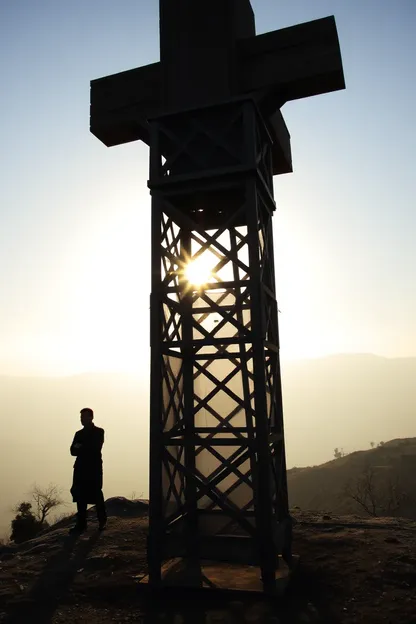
(43, 597)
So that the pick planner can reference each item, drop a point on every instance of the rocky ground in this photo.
(351, 571)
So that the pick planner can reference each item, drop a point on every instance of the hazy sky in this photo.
(75, 215)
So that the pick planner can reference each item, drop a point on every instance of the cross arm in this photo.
(120, 105)
(273, 68)
(292, 63)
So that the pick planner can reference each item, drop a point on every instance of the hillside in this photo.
(329, 486)
(352, 571)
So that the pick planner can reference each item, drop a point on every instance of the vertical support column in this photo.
(156, 442)
(263, 487)
(188, 416)
(282, 506)
(154, 542)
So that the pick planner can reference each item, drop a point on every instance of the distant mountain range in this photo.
(344, 401)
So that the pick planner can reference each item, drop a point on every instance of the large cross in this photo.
(210, 111)
(209, 53)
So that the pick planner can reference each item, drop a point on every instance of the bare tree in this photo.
(376, 496)
(394, 496)
(45, 499)
(31, 516)
(136, 496)
(362, 491)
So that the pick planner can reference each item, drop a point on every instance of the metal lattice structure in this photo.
(210, 112)
(218, 426)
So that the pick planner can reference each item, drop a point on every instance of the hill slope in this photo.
(393, 465)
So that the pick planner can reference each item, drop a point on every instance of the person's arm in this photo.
(75, 446)
(95, 443)
(99, 441)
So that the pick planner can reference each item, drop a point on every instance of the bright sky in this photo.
(75, 215)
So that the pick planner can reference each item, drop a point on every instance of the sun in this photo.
(199, 271)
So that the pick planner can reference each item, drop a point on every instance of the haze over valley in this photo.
(344, 401)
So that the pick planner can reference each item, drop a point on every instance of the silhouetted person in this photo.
(88, 471)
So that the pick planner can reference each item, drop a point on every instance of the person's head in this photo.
(87, 416)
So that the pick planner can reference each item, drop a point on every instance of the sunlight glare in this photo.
(199, 271)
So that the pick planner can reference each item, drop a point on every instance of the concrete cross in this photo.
(209, 53)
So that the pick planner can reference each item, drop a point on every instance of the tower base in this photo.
(221, 576)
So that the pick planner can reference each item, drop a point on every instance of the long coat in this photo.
(88, 468)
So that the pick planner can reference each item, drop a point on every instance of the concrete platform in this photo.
(221, 576)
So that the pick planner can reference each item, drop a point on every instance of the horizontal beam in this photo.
(292, 63)
(228, 548)
(120, 105)
(295, 62)
(209, 341)
(224, 308)
(213, 441)
(209, 357)
(220, 430)
(228, 287)
(196, 441)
